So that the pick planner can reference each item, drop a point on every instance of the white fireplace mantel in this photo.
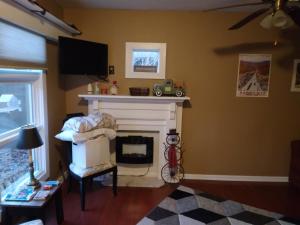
(127, 98)
(141, 113)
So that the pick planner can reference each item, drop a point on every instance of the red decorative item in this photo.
(104, 90)
(172, 172)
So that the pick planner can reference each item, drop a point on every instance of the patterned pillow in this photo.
(107, 121)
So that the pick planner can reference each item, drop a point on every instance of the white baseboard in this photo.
(220, 177)
(235, 178)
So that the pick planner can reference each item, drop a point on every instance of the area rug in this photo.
(186, 206)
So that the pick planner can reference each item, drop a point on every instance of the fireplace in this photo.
(134, 150)
(141, 116)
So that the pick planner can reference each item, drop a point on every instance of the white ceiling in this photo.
(156, 4)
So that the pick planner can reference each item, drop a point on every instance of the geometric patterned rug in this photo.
(186, 206)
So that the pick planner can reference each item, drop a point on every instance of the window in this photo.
(12, 170)
(15, 106)
(22, 102)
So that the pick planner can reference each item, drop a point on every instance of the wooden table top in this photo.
(32, 203)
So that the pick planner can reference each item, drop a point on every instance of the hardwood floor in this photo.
(131, 204)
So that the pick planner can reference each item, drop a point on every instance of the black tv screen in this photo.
(82, 57)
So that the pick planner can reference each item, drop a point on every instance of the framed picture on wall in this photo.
(296, 76)
(254, 75)
(145, 60)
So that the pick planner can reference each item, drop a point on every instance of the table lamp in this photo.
(28, 139)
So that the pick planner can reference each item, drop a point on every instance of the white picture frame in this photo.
(145, 60)
(295, 86)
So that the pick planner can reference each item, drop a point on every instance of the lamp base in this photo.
(34, 183)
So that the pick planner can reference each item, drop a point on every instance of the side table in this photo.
(33, 209)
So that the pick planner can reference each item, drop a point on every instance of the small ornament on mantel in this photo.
(96, 88)
(114, 88)
(89, 88)
(104, 90)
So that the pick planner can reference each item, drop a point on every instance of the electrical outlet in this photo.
(111, 69)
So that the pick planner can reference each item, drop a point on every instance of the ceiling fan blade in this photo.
(248, 19)
(294, 13)
(239, 5)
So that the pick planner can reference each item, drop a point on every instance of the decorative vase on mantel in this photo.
(114, 88)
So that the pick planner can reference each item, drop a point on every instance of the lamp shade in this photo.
(279, 19)
(29, 138)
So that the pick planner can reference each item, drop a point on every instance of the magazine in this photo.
(23, 194)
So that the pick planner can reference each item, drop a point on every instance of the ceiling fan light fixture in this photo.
(267, 22)
(280, 19)
(289, 23)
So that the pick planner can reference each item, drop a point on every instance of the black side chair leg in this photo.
(91, 180)
(59, 207)
(82, 194)
(69, 183)
(115, 180)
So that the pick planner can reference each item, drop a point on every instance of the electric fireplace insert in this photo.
(134, 150)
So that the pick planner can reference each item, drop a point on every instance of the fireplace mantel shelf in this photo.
(127, 98)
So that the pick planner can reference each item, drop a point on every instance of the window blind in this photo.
(18, 75)
(20, 45)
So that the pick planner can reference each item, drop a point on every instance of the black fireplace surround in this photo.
(134, 158)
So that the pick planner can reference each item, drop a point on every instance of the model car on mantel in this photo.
(168, 88)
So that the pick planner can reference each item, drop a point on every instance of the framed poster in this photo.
(253, 75)
(296, 76)
(145, 60)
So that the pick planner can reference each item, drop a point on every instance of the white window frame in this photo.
(39, 117)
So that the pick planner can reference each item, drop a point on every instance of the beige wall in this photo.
(56, 108)
(222, 134)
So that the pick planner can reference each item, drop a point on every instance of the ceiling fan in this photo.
(282, 13)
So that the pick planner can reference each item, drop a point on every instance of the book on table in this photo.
(41, 195)
(48, 185)
(52, 183)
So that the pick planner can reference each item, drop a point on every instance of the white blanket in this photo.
(75, 137)
(83, 124)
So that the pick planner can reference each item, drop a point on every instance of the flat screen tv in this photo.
(83, 57)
